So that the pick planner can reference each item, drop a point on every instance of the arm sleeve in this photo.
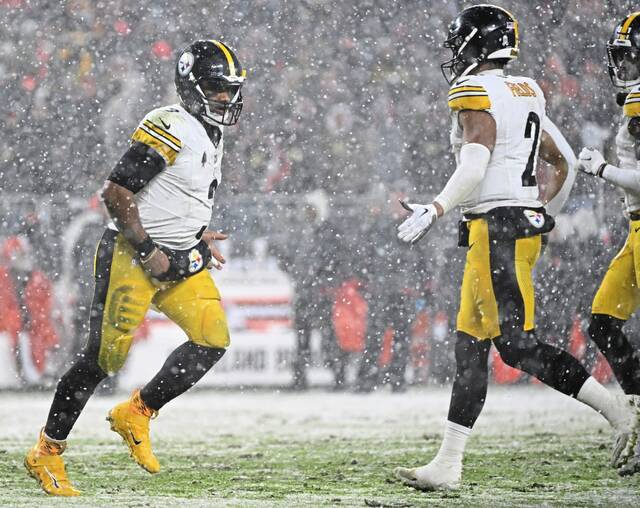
(557, 202)
(474, 159)
(628, 179)
(139, 164)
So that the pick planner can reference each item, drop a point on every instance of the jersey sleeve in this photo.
(469, 93)
(159, 130)
(631, 106)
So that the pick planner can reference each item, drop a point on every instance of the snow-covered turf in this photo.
(531, 446)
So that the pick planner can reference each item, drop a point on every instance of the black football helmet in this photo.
(479, 33)
(623, 52)
(203, 71)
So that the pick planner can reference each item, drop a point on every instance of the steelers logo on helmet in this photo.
(477, 34)
(185, 64)
(209, 82)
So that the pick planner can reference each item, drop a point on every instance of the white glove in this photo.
(591, 162)
(418, 223)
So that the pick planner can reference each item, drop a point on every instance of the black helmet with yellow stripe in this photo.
(477, 34)
(209, 79)
(623, 52)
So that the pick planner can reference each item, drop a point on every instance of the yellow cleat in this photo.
(130, 419)
(45, 464)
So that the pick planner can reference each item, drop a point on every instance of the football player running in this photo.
(618, 296)
(499, 127)
(156, 251)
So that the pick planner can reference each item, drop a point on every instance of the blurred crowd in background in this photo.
(345, 111)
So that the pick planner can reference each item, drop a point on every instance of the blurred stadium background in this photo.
(344, 112)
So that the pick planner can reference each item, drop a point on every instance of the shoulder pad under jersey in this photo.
(468, 93)
(631, 106)
(159, 129)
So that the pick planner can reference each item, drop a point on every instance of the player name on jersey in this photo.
(521, 89)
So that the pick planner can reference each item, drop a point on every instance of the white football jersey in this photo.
(517, 105)
(176, 204)
(625, 145)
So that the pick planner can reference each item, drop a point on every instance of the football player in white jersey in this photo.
(156, 251)
(499, 127)
(619, 295)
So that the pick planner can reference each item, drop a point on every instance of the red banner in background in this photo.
(350, 317)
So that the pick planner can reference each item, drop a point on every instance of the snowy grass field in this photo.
(531, 447)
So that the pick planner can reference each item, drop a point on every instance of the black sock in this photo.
(72, 393)
(606, 332)
(554, 367)
(184, 368)
(472, 376)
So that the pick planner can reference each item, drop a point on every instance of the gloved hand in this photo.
(185, 263)
(591, 162)
(418, 223)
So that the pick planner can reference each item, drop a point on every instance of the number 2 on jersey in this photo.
(528, 178)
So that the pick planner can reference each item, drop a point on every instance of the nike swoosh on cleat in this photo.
(637, 229)
(136, 442)
(166, 125)
(53, 478)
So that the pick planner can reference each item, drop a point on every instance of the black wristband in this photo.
(145, 247)
(601, 169)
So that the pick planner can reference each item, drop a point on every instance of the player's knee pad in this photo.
(603, 329)
(114, 352)
(213, 332)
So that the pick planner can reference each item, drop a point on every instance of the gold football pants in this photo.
(618, 295)
(124, 293)
(497, 286)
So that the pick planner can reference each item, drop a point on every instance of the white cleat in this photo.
(627, 438)
(632, 465)
(433, 476)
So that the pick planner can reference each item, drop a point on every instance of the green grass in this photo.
(524, 469)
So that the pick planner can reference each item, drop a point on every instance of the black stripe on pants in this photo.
(521, 349)
(78, 384)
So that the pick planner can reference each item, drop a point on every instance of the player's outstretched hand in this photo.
(591, 162)
(217, 258)
(157, 264)
(418, 223)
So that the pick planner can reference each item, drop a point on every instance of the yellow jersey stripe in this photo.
(631, 109)
(144, 136)
(160, 138)
(163, 133)
(227, 54)
(467, 88)
(473, 102)
(467, 94)
(624, 30)
(633, 95)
